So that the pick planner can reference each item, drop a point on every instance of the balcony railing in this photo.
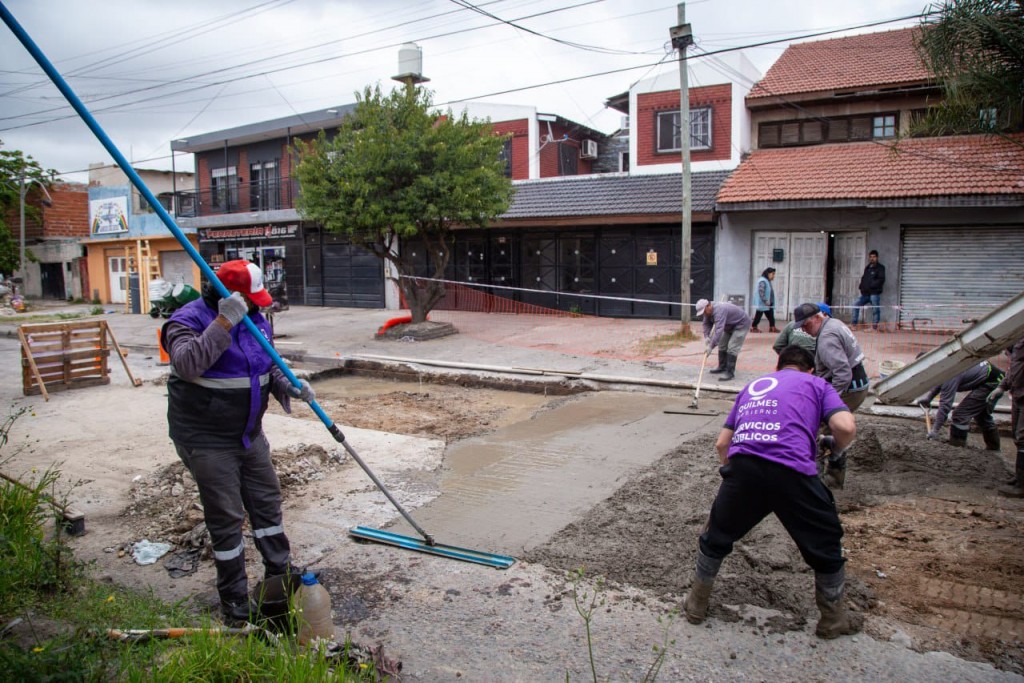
(236, 197)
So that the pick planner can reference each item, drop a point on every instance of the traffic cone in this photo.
(164, 358)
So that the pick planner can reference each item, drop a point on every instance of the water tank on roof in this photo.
(410, 60)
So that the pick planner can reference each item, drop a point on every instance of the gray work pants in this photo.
(731, 341)
(233, 482)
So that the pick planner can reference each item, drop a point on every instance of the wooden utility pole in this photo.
(682, 38)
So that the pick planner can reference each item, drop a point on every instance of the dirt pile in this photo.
(165, 505)
(934, 556)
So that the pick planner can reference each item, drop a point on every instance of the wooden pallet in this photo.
(61, 356)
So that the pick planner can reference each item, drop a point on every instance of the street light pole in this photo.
(682, 38)
(21, 209)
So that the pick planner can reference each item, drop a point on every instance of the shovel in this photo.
(696, 394)
(927, 417)
(427, 545)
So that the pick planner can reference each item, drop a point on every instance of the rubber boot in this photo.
(723, 363)
(1016, 489)
(730, 368)
(836, 620)
(696, 606)
(957, 436)
(991, 436)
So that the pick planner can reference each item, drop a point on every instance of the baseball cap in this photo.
(825, 308)
(247, 278)
(701, 305)
(804, 311)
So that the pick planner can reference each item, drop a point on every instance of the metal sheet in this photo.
(959, 272)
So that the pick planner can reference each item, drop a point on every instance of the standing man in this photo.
(981, 381)
(221, 380)
(1014, 383)
(764, 299)
(837, 357)
(767, 449)
(725, 326)
(871, 284)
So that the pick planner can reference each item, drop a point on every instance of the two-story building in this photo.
(127, 244)
(54, 227)
(830, 178)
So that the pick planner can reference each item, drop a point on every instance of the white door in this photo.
(850, 257)
(118, 269)
(808, 258)
(800, 276)
(764, 245)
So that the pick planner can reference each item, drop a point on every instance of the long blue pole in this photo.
(136, 180)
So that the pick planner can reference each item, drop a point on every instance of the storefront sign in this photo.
(652, 258)
(255, 232)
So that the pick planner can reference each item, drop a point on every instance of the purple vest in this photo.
(201, 414)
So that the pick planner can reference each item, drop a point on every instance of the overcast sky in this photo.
(155, 71)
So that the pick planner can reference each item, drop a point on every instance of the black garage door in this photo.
(339, 273)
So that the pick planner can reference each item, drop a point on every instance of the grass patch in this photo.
(56, 616)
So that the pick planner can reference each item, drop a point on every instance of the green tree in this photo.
(396, 171)
(14, 165)
(976, 49)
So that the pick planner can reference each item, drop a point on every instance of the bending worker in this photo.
(221, 381)
(837, 357)
(725, 326)
(767, 449)
(791, 334)
(1014, 383)
(980, 380)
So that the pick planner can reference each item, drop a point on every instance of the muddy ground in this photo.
(936, 559)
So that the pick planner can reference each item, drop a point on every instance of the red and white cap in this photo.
(247, 278)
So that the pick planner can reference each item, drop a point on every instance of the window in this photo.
(884, 126)
(818, 130)
(624, 162)
(506, 156)
(568, 159)
(988, 118)
(667, 124)
(264, 186)
(224, 188)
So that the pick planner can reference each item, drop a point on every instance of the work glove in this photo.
(924, 404)
(933, 436)
(304, 391)
(234, 308)
(708, 347)
(835, 467)
(993, 399)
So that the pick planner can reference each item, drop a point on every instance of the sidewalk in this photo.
(529, 348)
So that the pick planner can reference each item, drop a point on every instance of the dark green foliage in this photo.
(397, 170)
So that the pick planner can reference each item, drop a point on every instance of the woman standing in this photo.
(765, 301)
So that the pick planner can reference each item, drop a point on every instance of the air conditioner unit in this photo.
(588, 150)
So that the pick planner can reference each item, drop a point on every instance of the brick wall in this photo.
(520, 130)
(69, 214)
(718, 97)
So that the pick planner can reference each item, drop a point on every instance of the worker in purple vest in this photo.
(768, 454)
(220, 383)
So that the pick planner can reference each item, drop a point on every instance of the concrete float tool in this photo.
(427, 545)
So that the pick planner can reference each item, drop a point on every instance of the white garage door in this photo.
(959, 273)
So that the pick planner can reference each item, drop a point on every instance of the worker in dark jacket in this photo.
(725, 327)
(871, 284)
(1014, 383)
(220, 383)
(980, 380)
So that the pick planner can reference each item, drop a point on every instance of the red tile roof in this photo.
(921, 167)
(872, 59)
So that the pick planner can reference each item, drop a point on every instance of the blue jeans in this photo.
(864, 299)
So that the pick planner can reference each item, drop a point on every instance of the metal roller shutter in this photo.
(959, 272)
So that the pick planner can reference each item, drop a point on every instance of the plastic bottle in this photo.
(313, 611)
